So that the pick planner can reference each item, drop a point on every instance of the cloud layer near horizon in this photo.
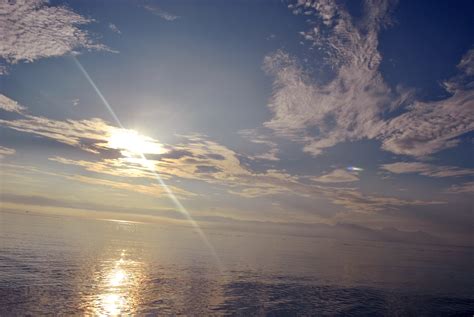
(426, 169)
(195, 158)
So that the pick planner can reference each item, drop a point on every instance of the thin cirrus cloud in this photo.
(180, 160)
(71, 132)
(32, 29)
(357, 202)
(426, 169)
(4, 151)
(464, 188)
(272, 151)
(337, 176)
(93, 135)
(114, 28)
(352, 106)
(156, 10)
(10, 105)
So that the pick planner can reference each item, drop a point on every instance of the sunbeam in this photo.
(151, 167)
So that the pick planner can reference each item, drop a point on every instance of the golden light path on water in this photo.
(152, 168)
(119, 287)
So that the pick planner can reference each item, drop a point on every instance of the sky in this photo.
(311, 117)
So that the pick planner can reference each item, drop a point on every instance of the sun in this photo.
(130, 142)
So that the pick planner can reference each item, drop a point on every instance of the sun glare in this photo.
(133, 143)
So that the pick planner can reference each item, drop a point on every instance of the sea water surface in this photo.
(57, 265)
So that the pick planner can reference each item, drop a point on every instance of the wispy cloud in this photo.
(93, 135)
(156, 10)
(10, 105)
(271, 154)
(349, 107)
(355, 103)
(355, 201)
(33, 29)
(4, 151)
(85, 134)
(37, 200)
(155, 190)
(429, 127)
(465, 188)
(426, 169)
(195, 158)
(337, 176)
(114, 28)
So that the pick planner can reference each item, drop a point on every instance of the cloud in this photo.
(114, 28)
(72, 132)
(254, 136)
(155, 190)
(426, 169)
(93, 135)
(154, 9)
(356, 103)
(33, 29)
(303, 229)
(466, 65)
(429, 127)
(350, 106)
(119, 167)
(10, 105)
(356, 202)
(336, 176)
(4, 151)
(194, 157)
(461, 188)
(37, 200)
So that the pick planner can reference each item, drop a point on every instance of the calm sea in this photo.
(54, 265)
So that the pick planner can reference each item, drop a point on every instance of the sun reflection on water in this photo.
(119, 287)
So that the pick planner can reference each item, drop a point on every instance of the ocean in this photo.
(59, 265)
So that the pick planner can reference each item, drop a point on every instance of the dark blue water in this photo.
(64, 266)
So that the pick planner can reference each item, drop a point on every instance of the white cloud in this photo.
(426, 169)
(355, 103)
(467, 63)
(350, 106)
(160, 12)
(114, 28)
(71, 132)
(429, 127)
(10, 105)
(33, 29)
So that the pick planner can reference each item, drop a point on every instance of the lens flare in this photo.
(354, 169)
(151, 166)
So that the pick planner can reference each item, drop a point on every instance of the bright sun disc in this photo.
(131, 142)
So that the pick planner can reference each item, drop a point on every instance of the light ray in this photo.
(151, 167)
